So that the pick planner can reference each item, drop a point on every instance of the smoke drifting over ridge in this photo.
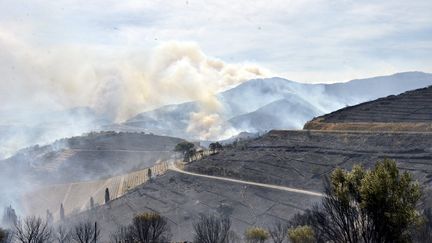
(116, 83)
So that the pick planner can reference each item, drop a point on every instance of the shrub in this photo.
(301, 234)
(256, 235)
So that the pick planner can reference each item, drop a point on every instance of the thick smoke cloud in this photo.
(116, 83)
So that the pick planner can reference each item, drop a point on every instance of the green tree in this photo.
(256, 235)
(301, 234)
(185, 149)
(390, 198)
(377, 205)
(215, 147)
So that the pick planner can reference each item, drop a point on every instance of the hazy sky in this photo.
(303, 40)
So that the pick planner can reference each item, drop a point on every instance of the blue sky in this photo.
(305, 40)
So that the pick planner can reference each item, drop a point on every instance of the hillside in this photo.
(303, 158)
(299, 159)
(91, 157)
(240, 104)
(182, 198)
(409, 111)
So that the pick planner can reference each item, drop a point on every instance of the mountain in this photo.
(287, 113)
(273, 101)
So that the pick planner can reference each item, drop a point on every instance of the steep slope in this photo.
(410, 111)
(183, 198)
(90, 157)
(303, 158)
(250, 96)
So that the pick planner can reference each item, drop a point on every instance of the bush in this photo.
(149, 228)
(301, 234)
(256, 235)
(377, 205)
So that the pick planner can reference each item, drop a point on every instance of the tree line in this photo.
(190, 152)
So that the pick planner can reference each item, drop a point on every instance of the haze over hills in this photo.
(246, 104)
(35, 127)
(90, 157)
(249, 107)
(299, 159)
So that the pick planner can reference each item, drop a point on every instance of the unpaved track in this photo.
(173, 167)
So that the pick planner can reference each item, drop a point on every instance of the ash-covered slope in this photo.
(251, 97)
(182, 198)
(411, 111)
(303, 158)
(90, 157)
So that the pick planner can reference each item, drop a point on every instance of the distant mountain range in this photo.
(275, 103)
(254, 106)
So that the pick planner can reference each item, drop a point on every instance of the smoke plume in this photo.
(115, 82)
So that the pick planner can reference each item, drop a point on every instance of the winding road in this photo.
(173, 167)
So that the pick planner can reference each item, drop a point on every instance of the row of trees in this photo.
(36, 230)
(190, 152)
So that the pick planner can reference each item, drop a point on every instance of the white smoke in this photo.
(115, 82)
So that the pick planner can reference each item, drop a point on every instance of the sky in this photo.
(303, 40)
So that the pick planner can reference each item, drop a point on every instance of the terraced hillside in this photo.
(76, 196)
(90, 157)
(182, 198)
(410, 111)
(302, 158)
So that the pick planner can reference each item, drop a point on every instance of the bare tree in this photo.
(122, 235)
(32, 230)
(149, 228)
(278, 232)
(212, 229)
(85, 232)
(233, 237)
(62, 234)
(3, 235)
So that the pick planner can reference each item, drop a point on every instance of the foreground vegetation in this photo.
(359, 206)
